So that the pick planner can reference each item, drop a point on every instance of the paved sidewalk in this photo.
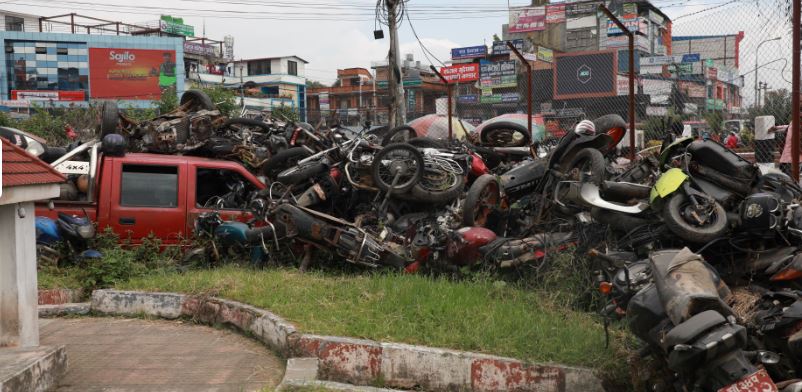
(121, 355)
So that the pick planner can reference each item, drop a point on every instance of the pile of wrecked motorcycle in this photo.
(701, 252)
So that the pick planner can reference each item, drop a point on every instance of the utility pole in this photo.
(398, 110)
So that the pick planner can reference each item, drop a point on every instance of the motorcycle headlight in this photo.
(86, 232)
(35, 148)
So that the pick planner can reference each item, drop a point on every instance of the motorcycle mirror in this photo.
(768, 357)
(50, 205)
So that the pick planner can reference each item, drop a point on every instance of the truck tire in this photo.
(483, 196)
(199, 101)
(682, 228)
(283, 160)
(109, 118)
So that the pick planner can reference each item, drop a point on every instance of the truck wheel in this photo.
(676, 214)
(197, 100)
(109, 118)
(283, 160)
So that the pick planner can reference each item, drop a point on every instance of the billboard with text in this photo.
(585, 75)
(130, 73)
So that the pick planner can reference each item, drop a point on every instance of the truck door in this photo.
(213, 187)
(150, 200)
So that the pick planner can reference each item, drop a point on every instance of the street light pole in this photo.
(757, 58)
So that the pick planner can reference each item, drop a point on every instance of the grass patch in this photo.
(477, 315)
(59, 278)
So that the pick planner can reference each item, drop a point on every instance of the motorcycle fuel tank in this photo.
(463, 247)
(230, 233)
(523, 178)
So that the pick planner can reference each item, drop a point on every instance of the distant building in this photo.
(270, 82)
(352, 95)
(421, 88)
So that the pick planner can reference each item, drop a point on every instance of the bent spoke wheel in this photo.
(397, 167)
(482, 199)
(400, 134)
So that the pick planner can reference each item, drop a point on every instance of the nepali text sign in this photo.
(460, 73)
(500, 98)
(469, 52)
(500, 74)
(638, 26)
(574, 9)
(630, 11)
(198, 48)
(555, 13)
(501, 47)
(173, 25)
(472, 98)
(130, 73)
(525, 19)
(48, 95)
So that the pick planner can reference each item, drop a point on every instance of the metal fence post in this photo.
(795, 118)
(448, 90)
(528, 85)
(631, 37)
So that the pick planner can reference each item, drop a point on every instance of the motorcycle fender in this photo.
(667, 184)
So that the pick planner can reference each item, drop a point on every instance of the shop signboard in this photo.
(501, 47)
(545, 54)
(198, 48)
(498, 75)
(555, 13)
(526, 19)
(470, 52)
(173, 25)
(460, 73)
(501, 98)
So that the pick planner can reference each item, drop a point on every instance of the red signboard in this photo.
(47, 95)
(460, 73)
(130, 73)
(712, 73)
(524, 19)
(555, 13)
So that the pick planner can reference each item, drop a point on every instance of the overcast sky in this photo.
(333, 34)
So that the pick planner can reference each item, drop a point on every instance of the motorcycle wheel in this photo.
(197, 99)
(299, 173)
(399, 134)
(590, 167)
(283, 160)
(428, 195)
(505, 134)
(399, 159)
(109, 118)
(674, 215)
(482, 198)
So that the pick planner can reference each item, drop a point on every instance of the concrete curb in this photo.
(32, 369)
(357, 361)
(64, 309)
(60, 296)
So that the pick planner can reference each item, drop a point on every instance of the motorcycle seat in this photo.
(719, 158)
(72, 220)
(692, 328)
(624, 192)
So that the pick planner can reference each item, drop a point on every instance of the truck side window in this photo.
(221, 188)
(149, 186)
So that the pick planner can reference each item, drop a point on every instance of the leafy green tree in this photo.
(777, 103)
(225, 100)
(168, 101)
(287, 112)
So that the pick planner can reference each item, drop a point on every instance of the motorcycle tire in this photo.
(422, 194)
(283, 160)
(426, 142)
(51, 154)
(391, 136)
(487, 132)
(475, 210)
(199, 101)
(672, 215)
(300, 173)
(405, 186)
(109, 118)
(246, 122)
(595, 159)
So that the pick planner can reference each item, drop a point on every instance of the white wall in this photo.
(31, 23)
(19, 326)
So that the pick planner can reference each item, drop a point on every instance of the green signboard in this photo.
(172, 25)
(407, 83)
(714, 104)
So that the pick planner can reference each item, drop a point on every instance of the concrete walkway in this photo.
(121, 355)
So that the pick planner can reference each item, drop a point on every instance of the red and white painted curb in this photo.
(356, 361)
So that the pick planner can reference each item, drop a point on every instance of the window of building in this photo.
(149, 186)
(580, 38)
(216, 185)
(260, 67)
(14, 23)
(292, 68)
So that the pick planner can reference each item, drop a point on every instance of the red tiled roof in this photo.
(21, 168)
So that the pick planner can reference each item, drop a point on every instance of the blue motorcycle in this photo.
(66, 236)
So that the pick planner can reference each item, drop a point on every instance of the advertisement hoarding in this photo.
(545, 54)
(130, 73)
(324, 102)
(198, 48)
(638, 26)
(630, 10)
(498, 75)
(500, 47)
(48, 95)
(469, 52)
(555, 13)
(500, 98)
(585, 75)
(460, 73)
(173, 25)
(575, 9)
(525, 19)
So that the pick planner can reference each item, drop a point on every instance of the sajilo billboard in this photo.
(130, 73)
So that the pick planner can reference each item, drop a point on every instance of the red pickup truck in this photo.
(141, 194)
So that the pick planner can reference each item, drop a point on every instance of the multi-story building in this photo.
(351, 96)
(270, 82)
(421, 88)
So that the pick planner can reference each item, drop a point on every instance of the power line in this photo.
(422, 46)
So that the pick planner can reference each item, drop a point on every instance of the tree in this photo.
(314, 84)
(777, 104)
(496, 38)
